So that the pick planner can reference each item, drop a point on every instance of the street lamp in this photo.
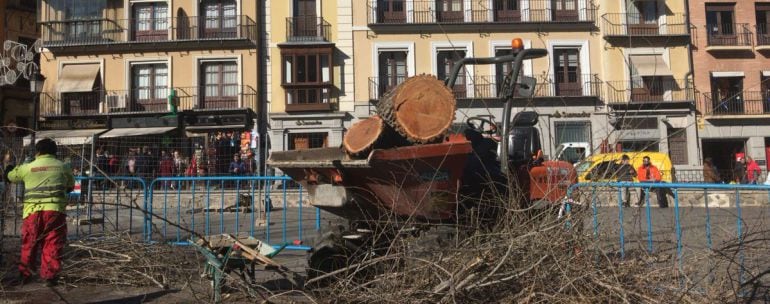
(36, 81)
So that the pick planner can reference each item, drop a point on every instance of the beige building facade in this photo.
(616, 75)
(310, 79)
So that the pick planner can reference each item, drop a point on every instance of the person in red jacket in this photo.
(753, 171)
(648, 173)
(166, 168)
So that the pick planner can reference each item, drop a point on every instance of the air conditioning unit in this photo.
(116, 103)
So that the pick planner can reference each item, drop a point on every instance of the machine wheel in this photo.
(324, 261)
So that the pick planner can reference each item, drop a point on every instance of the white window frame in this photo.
(196, 76)
(495, 45)
(129, 12)
(456, 45)
(130, 77)
(523, 8)
(585, 60)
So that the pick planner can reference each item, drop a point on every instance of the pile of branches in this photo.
(528, 256)
(117, 260)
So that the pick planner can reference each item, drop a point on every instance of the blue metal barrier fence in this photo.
(688, 236)
(175, 209)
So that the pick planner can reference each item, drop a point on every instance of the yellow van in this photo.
(601, 167)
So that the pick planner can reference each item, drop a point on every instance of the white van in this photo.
(573, 152)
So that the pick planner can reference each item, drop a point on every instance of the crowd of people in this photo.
(745, 171)
(223, 156)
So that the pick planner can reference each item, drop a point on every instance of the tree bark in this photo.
(421, 109)
(368, 134)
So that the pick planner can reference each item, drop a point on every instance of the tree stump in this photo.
(421, 109)
(368, 134)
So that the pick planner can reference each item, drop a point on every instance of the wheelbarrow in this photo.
(225, 254)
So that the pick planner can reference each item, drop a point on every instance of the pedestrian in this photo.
(649, 173)
(625, 173)
(237, 167)
(753, 171)
(166, 169)
(710, 174)
(114, 164)
(46, 182)
(739, 171)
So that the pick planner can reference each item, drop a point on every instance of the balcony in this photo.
(308, 29)
(400, 15)
(634, 25)
(587, 87)
(653, 91)
(731, 104)
(310, 97)
(728, 37)
(107, 35)
(763, 37)
(60, 104)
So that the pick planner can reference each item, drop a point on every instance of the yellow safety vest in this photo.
(46, 181)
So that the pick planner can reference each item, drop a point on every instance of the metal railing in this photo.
(735, 103)
(448, 12)
(650, 91)
(53, 104)
(485, 86)
(109, 31)
(729, 34)
(307, 29)
(703, 219)
(618, 24)
(763, 36)
(723, 176)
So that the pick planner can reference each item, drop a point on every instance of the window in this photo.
(449, 11)
(720, 24)
(763, 18)
(392, 65)
(648, 89)
(507, 10)
(302, 141)
(150, 21)
(83, 22)
(677, 146)
(640, 146)
(566, 10)
(765, 92)
(727, 95)
(219, 85)
(572, 131)
(219, 19)
(567, 72)
(149, 87)
(307, 78)
(643, 18)
(445, 60)
(391, 11)
(502, 70)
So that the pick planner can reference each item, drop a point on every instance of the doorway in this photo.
(722, 153)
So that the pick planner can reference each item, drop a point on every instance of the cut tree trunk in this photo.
(421, 109)
(368, 134)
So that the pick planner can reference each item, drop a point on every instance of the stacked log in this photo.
(418, 111)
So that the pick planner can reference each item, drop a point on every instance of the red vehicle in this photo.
(432, 182)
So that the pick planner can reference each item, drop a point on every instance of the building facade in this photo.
(732, 72)
(164, 74)
(615, 76)
(648, 80)
(16, 106)
(309, 72)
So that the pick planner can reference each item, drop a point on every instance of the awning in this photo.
(727, 74)
(214, 128)
(650, 65)
(66, 137)
(766, 73)
(121, 132)
(78, 77)
(677, 122)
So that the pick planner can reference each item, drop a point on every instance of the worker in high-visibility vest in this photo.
(46, 184)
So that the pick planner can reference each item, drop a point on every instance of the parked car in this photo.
(602, 167)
